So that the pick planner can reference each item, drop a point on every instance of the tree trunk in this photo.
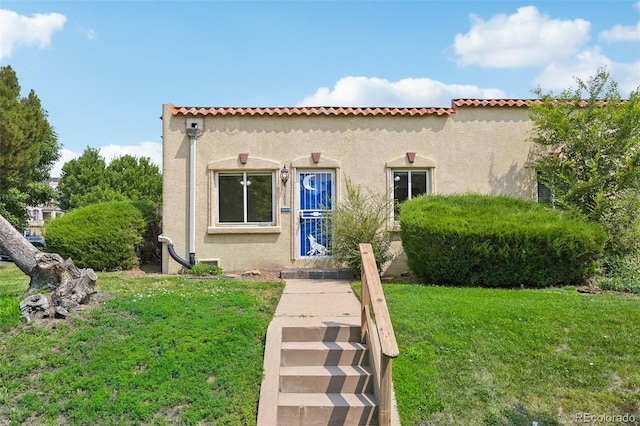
(70, 286)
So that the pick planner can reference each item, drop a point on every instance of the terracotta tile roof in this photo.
(309, 111)
(491, 102)
(280, 111)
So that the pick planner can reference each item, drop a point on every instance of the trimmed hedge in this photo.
(102, 236)
(497, 242)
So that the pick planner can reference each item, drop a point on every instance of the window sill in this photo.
(243, 230)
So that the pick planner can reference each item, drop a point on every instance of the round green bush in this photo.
(497, 242)
(102, 236)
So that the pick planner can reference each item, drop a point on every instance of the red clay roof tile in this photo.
(491, 102)
(309, 111)
(280, 111)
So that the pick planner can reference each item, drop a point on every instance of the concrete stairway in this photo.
(325, 378)
(315, 371)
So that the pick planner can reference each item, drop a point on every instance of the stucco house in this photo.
(248, 188)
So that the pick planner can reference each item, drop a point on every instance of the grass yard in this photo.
(471, 356)
(167, 350)
(162, 350)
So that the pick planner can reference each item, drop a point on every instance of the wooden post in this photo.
(380, 336)
(384, 398)
(364, 309)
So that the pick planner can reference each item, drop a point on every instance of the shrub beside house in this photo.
(473, 240)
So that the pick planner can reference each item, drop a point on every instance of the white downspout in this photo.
(193, 133)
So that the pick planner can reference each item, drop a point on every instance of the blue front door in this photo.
(315, 192)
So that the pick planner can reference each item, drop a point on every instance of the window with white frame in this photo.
(408, 184)
(245, 198)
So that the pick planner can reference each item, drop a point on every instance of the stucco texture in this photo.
(474, 149)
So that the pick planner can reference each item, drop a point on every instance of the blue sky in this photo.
(103, 69)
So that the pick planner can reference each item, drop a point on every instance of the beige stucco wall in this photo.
(475, 149)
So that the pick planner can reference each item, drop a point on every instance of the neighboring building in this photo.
(225, 201)
(39, 214)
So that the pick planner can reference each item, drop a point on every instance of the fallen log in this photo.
(70, 286)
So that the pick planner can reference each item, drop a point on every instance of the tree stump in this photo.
(70, 286)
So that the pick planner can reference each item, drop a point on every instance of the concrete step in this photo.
(335, 379)
(322, 333)
(316, 274)
(323, 353)
(324, 376)
(327, 409)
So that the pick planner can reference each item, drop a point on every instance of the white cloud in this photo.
(16, 30)
(621, 33)
(526, 38)
(365, 91)
(560, 75)
(152, 150)
(65, 155)
(627, 76)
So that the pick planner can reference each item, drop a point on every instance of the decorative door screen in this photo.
(315, 199)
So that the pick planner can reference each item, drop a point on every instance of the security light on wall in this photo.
(284, 177)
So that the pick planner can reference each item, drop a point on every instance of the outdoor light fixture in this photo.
(284, 177)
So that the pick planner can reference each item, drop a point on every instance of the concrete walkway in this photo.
(308, 303)
(319, 299)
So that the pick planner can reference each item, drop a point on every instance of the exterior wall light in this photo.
(284, 177)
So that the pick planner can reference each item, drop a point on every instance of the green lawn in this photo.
(167, 350)
(471, 356)
(163, 350)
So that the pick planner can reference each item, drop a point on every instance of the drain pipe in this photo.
(172, 251)
(193, 133)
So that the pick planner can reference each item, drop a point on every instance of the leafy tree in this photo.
(82, 175)
(89, 180)
(594, 166)
(28, 149)
(135, 178)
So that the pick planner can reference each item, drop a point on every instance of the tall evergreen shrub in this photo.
(497, 242)
(100, 236)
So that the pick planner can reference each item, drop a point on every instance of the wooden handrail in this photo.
(379, 333)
